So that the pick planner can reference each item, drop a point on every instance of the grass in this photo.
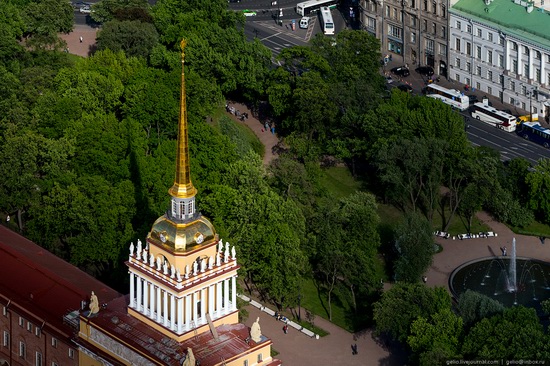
(534, 229)
(339, 182)
(240, 134)
(319, 331)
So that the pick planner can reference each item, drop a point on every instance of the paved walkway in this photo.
(87, 46)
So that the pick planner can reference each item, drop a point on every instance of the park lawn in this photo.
(535, 229)
(240, 134)
(339, 182)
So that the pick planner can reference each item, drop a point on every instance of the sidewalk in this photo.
(87, 46)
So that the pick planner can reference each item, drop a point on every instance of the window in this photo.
(457, 63)
(526, 50)
(4, 311)
(54, 363)
(490, 75)
(371, 23)
(467, 80)
(429, 46)
(29, 326)
(442, 49)
(512, 101)
(413, 4)
(434, 7)
(425, 4)
(468, 48)
(54, 342)
(547, 58)
(394, 31)
(538, 76)
(443, 32)
(478, 71)
(501, 60)
(443, 10)
(434, 28)
(490, 90)
(22, 350)
(469, 28)
(490, 35)
(512, 86)
(458, 25)
(6, 342)
(537, 55)
(479, 33)
(490, 57)
(501, 95)
(526, 70)
(71, 353)
(514, 46)
(425, 26)
(548, 79)
(523, 105)
(478, 52)
(37, 331)
(260, 357)
(457, 44)
(413, 37)
(413, 21)
(523, 90)
(394, 13)
(457, 77)
(515, 66)
(387, 11)
(478, 86)
(468, 67)
(21, 322)
(245, 363)
(38, 359)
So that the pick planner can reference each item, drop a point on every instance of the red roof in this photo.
(42, 284)
(231, 342)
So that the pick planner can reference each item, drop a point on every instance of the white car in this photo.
(85, 10)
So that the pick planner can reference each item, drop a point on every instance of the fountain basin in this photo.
(492, 277)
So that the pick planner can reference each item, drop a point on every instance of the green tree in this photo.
(415, 247)
(400, 306)
(133, 37)
(439, 334)
(107, 10)
(515, 334)
(473, 307)
(44, 20)
(538, 182)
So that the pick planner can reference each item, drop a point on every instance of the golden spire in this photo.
(182, 188)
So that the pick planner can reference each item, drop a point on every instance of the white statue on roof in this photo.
(255, 331)
(94, 304)
(220, 245)
(151, 260)
(233, 253)
(189, 358)
(131, 249)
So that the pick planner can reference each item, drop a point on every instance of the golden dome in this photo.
(182, 237)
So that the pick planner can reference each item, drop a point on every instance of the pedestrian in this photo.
(354, 349)
(424, 279)
(81, 39)
(285, 329)
(542, 239)
(266, 125)
(273, 128)
(8, 218)
(504, 251)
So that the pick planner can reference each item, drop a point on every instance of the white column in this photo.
(203, 304)
(542, 70)
(180, 315)
(226, 295)
(187, 311)
(520, 66)
(165, 299)
(159, 305)
(219, 298)
(211, 301)
(507, 61)
(145, 297)
(138, 297)
(531, 63)
(153, 304)
(234, 293)
(132, 291)
(172, 312)
(194, 299)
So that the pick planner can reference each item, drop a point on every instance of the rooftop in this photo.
(510, 18)
(43, 284)
(231, 342)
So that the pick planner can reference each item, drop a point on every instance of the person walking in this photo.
(285, 328)
(81, 39)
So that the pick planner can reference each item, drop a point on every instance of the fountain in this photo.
(510, 280)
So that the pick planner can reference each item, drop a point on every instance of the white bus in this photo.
(313, 5)
(328, 23)
(502, 120)
(452, 97)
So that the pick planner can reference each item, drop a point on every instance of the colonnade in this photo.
(182, 311)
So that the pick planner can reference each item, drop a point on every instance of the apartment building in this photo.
(414, 31)
(502, 47)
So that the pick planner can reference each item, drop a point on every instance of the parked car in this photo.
(249, 13)
(425, 70)
(401, 71)
(405, 88)
(389, 79)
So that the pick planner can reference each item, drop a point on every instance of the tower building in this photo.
(182, 307)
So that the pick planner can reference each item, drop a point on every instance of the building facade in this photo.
(502, 48)
(414, 31)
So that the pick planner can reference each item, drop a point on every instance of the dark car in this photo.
(405, 88)
(473, 99)
(400, 71)
(425, 70)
